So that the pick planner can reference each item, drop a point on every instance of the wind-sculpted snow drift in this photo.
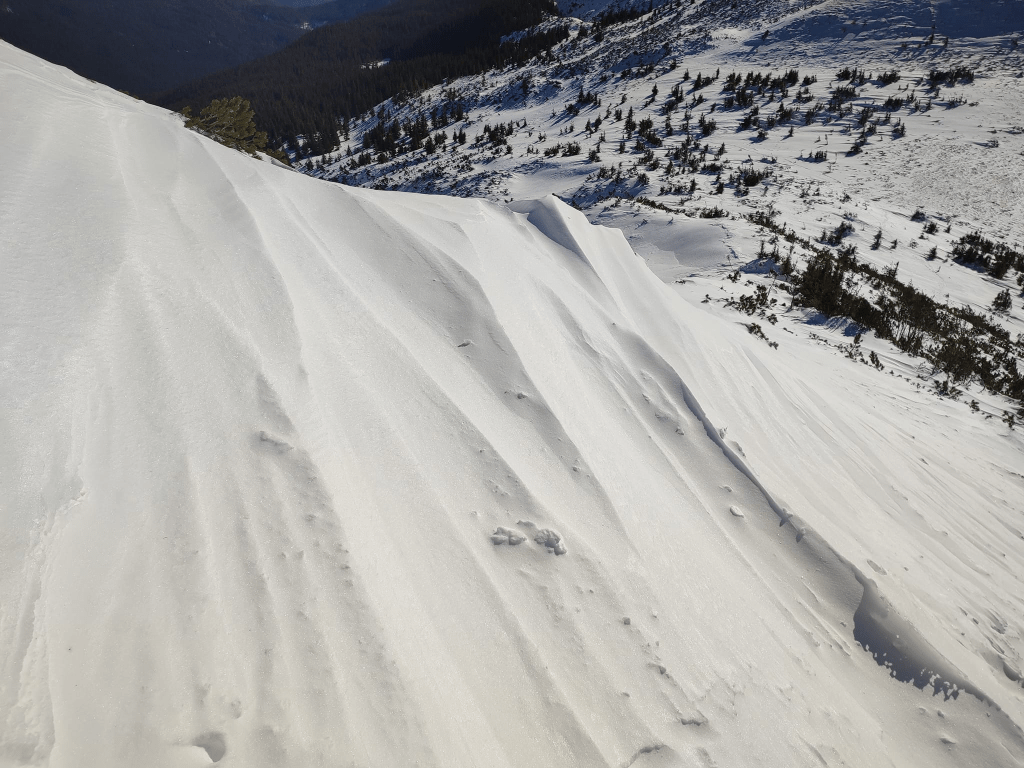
(300, 475)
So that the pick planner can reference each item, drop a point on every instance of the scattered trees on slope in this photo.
(958, 341)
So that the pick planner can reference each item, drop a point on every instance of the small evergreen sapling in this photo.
(1002, 302)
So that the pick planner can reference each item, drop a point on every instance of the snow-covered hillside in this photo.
(297, 474)
(765, 136)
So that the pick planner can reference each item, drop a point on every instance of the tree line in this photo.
(314, 86)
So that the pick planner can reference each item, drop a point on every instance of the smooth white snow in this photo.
(260, 433)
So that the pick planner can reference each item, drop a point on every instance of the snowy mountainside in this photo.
(296, 474)
(892, 132)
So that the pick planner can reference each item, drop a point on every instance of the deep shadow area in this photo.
(897, 645)
(143, 46)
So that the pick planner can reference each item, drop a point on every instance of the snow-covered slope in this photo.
(295, 474)
(722, 138)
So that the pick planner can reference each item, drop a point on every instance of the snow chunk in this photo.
(551, 540)
(507, 536)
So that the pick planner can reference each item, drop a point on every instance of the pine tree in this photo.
(230, 122)
(1002, 301)
(630, 125)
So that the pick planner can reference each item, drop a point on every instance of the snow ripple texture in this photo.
(301, 475)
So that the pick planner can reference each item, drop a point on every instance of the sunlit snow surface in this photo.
(286, 467)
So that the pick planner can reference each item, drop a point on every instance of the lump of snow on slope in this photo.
(548, 538)
(507, 536)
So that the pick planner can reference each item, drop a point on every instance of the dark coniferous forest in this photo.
(145, 46)
(310, 87)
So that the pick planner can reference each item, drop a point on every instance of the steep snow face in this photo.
(301, 475)
(722, 174)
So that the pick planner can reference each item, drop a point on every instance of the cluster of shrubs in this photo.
(996, 258)
(950, 76)
(959, 342)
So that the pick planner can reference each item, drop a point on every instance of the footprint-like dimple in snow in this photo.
(275, 444)
(1011, 672)
(697, 719)
(214, 743)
